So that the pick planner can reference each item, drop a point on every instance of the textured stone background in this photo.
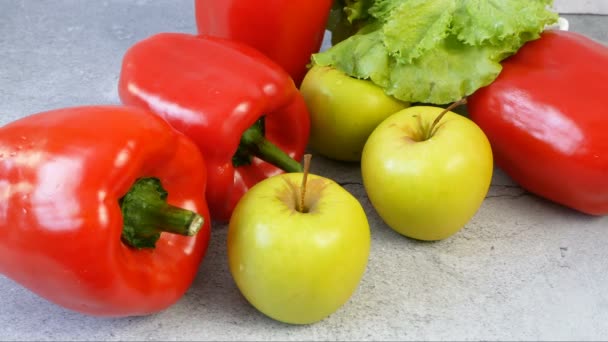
(581, 6)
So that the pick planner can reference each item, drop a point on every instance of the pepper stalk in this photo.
(146, 214)
(254, 143)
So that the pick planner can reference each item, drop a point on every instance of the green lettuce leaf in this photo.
(440, 77)
(437, 51)
(357, 9)
(501, 21)
(347, 17)
(414, 27)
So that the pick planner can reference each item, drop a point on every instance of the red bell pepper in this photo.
(102, 209)
(287, 31)
(230, 99)
(546, 119)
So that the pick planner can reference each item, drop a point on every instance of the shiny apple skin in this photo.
(298, 267)
(427, 189)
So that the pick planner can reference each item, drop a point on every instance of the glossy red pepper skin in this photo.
(546, 118)
(62, 173)
(213, 89)
(288, 31)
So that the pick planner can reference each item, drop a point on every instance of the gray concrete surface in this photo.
(521, 269)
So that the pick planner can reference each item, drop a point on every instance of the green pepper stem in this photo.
(172, 219)
(146, 214)
(254, 143)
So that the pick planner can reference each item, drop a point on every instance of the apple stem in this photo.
(301, 207)
(441, 115)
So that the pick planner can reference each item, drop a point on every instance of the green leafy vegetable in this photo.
(430, 51)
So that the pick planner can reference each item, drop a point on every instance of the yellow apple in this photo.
(298, 265)
(427, 181)
(343, 111)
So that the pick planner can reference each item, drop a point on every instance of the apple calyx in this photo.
(300, 206)
(431, 131)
